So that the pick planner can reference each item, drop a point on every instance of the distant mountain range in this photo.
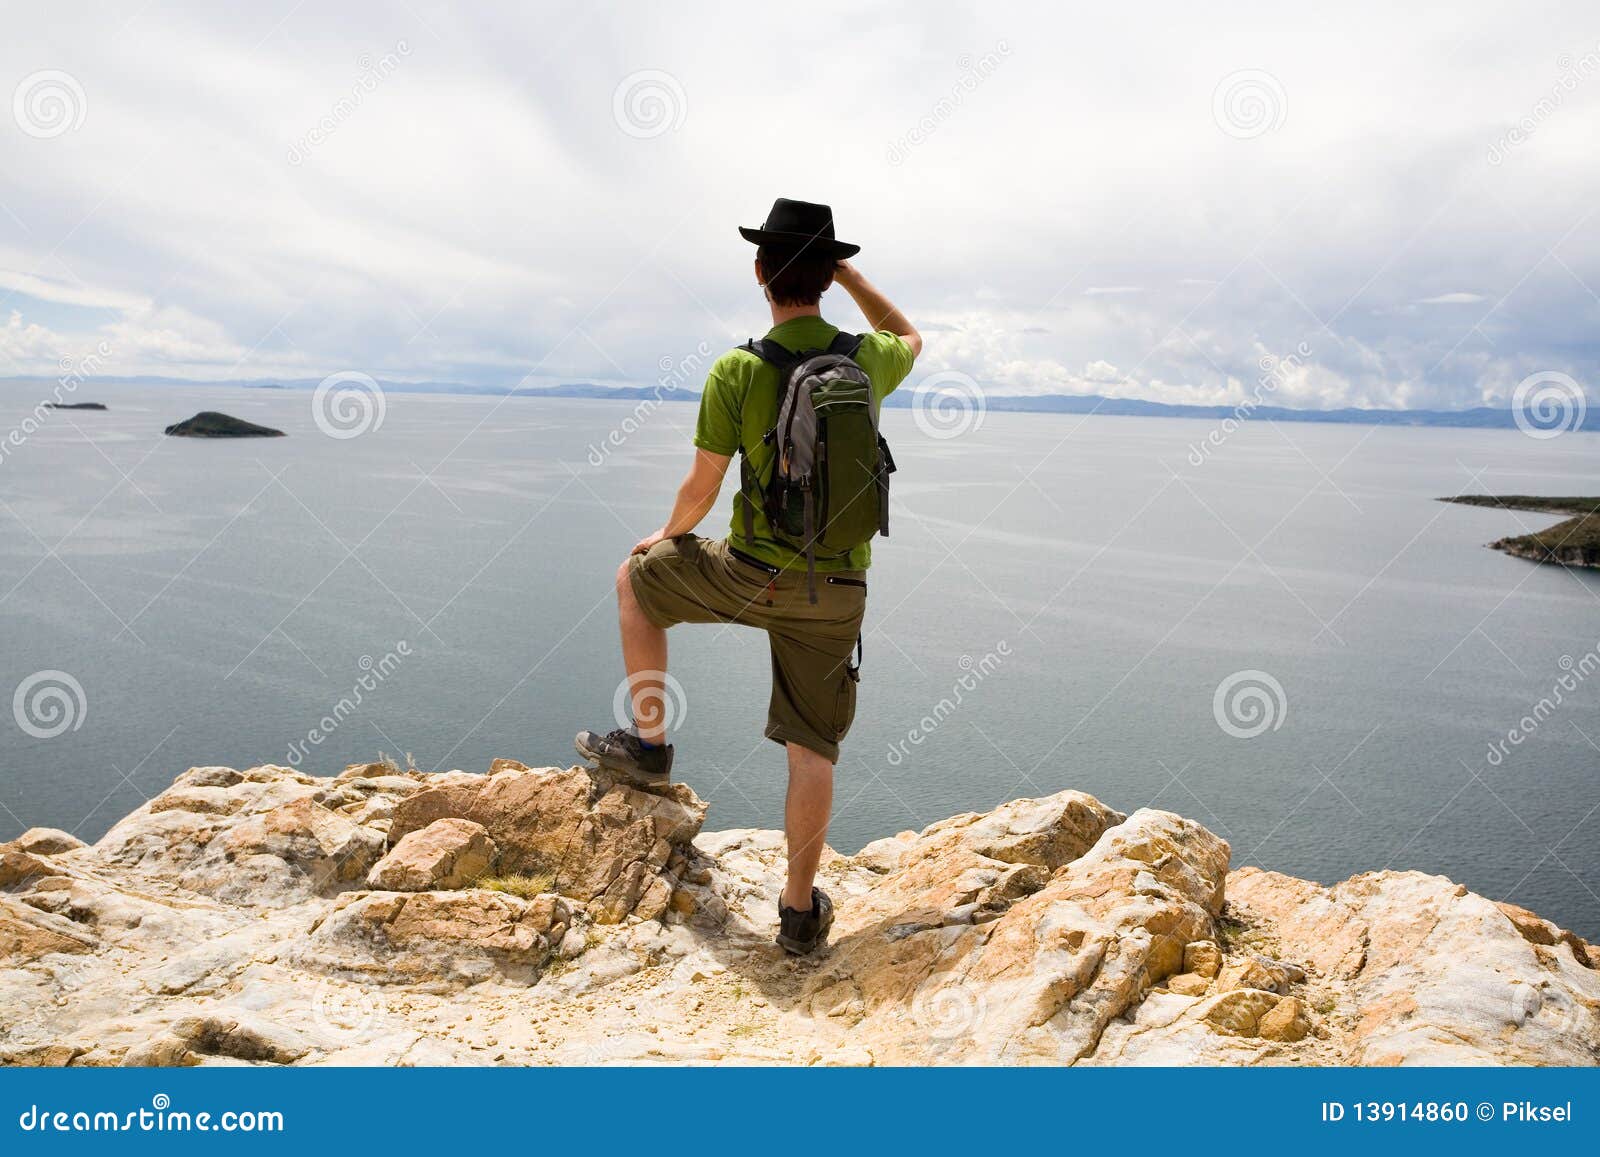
(1481, 417)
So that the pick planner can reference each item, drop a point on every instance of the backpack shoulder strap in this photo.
(770, 352)
(845, 343)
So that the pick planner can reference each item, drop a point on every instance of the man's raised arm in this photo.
(879, 311)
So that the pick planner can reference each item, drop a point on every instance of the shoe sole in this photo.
(805, 947)
(632, 775)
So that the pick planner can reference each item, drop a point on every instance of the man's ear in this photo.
(761, 281)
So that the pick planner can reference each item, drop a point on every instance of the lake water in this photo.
(1057, 607)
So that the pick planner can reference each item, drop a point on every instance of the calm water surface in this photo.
(1059, 602)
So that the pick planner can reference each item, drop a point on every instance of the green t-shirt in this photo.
(740, 404)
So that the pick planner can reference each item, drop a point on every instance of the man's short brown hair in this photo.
(793, 277)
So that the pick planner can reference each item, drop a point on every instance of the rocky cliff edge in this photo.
(535, 916)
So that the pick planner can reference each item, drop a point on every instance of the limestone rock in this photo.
(27, 934)
(1066, 953)
(604, 846)
(47, 842)
(451, 937)
(1536, 930)
(1258, 972)
(230, 921)
(19, 869)
(1433, 973)
(448, 853)
(1285, 1021)
(1239, 1012)
(240, 1035)
(1203, 958)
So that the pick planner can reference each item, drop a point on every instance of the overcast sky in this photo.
(1125, 199)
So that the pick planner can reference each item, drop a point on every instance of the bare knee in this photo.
(628, 609)
(805, 762)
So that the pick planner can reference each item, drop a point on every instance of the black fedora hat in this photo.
(800, 225)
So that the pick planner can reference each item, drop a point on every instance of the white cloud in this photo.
(1453, 299)
(479, 215)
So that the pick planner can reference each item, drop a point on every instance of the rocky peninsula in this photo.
(1575, 542)
(535, 916)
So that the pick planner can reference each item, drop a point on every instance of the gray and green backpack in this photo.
(828, 492)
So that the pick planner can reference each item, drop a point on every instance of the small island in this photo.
(210, 424)
(1574, 542)
(74, 405)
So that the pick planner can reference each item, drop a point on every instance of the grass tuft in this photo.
(526, 885)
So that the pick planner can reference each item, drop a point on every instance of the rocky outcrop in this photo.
(265, 916)
(448, 853)
(1555, 545)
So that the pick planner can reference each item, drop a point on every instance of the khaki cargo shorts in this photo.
(694, 580)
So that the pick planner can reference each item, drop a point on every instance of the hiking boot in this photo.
(621, 753)
(802, 933)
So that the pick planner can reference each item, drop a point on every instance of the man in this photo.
(758, 577)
